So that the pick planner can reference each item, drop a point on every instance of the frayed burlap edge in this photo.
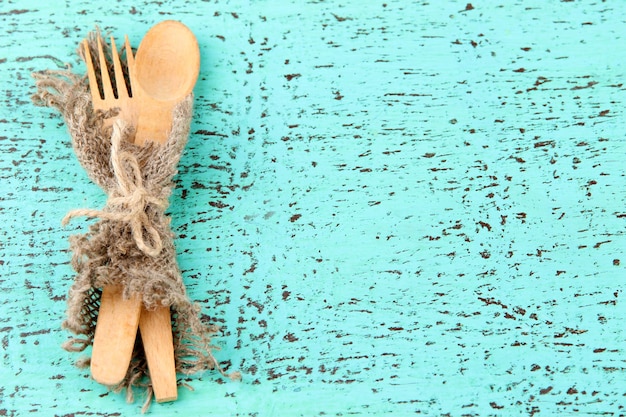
(108, 254)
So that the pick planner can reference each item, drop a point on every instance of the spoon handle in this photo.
(154, 121)
(155, 327)
(154, 124)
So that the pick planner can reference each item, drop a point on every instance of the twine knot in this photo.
(129, 201)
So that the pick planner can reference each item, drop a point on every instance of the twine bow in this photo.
(129, 200)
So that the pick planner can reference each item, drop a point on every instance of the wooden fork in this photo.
(118, 318)
(108, 99)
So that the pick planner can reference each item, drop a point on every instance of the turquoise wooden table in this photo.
(395, 207)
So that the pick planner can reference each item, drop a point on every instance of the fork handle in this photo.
(114, 339)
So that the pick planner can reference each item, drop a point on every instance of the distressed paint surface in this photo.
(407, 207)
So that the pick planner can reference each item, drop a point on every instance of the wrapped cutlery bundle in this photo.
(127, 277)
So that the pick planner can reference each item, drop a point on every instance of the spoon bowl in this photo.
(168, 48)
(165, 71)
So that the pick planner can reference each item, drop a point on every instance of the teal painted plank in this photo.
(388, 207)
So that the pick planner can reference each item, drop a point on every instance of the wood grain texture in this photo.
(408, 207)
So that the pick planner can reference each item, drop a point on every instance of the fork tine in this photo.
(91, 72)
(107, 87)
(130, 63)
(118, 74)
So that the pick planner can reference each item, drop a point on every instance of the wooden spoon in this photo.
(167, 64)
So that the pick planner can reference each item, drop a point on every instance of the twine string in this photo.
(129, 201)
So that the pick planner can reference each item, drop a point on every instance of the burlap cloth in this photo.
(131, 243)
